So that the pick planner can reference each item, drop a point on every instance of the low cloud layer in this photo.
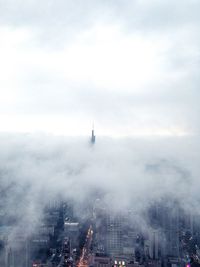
(125, 174)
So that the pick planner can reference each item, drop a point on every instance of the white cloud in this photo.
(126, 75)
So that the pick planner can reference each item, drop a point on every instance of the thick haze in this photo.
(125, 174)
(130, 66)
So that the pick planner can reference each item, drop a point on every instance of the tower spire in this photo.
(93, 137)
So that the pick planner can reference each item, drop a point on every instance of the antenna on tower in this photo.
(93, 137)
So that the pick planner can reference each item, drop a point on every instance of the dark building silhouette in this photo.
(93, 137)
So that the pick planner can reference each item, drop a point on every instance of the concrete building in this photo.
(93, 137)
(71, 230)
(114, 234)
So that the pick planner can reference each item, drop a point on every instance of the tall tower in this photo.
(93, 137)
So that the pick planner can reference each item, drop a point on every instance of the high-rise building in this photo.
(71, 230)
(114, 234)
(93, 137)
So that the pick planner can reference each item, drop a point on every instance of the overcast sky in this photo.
(132, 67)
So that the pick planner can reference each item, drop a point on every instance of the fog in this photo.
(125, 174)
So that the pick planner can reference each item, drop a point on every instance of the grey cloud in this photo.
(54, 22)
(62, 20)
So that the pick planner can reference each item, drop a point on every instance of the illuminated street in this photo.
(83, 262)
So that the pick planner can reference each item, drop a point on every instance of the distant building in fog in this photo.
(93, 137)
(71, 230)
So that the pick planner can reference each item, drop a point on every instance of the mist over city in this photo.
(99, 133)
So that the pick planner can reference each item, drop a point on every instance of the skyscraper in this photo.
(93, 137)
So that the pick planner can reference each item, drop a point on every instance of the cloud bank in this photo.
(125, 174)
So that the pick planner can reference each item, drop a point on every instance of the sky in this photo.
(131, 67)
